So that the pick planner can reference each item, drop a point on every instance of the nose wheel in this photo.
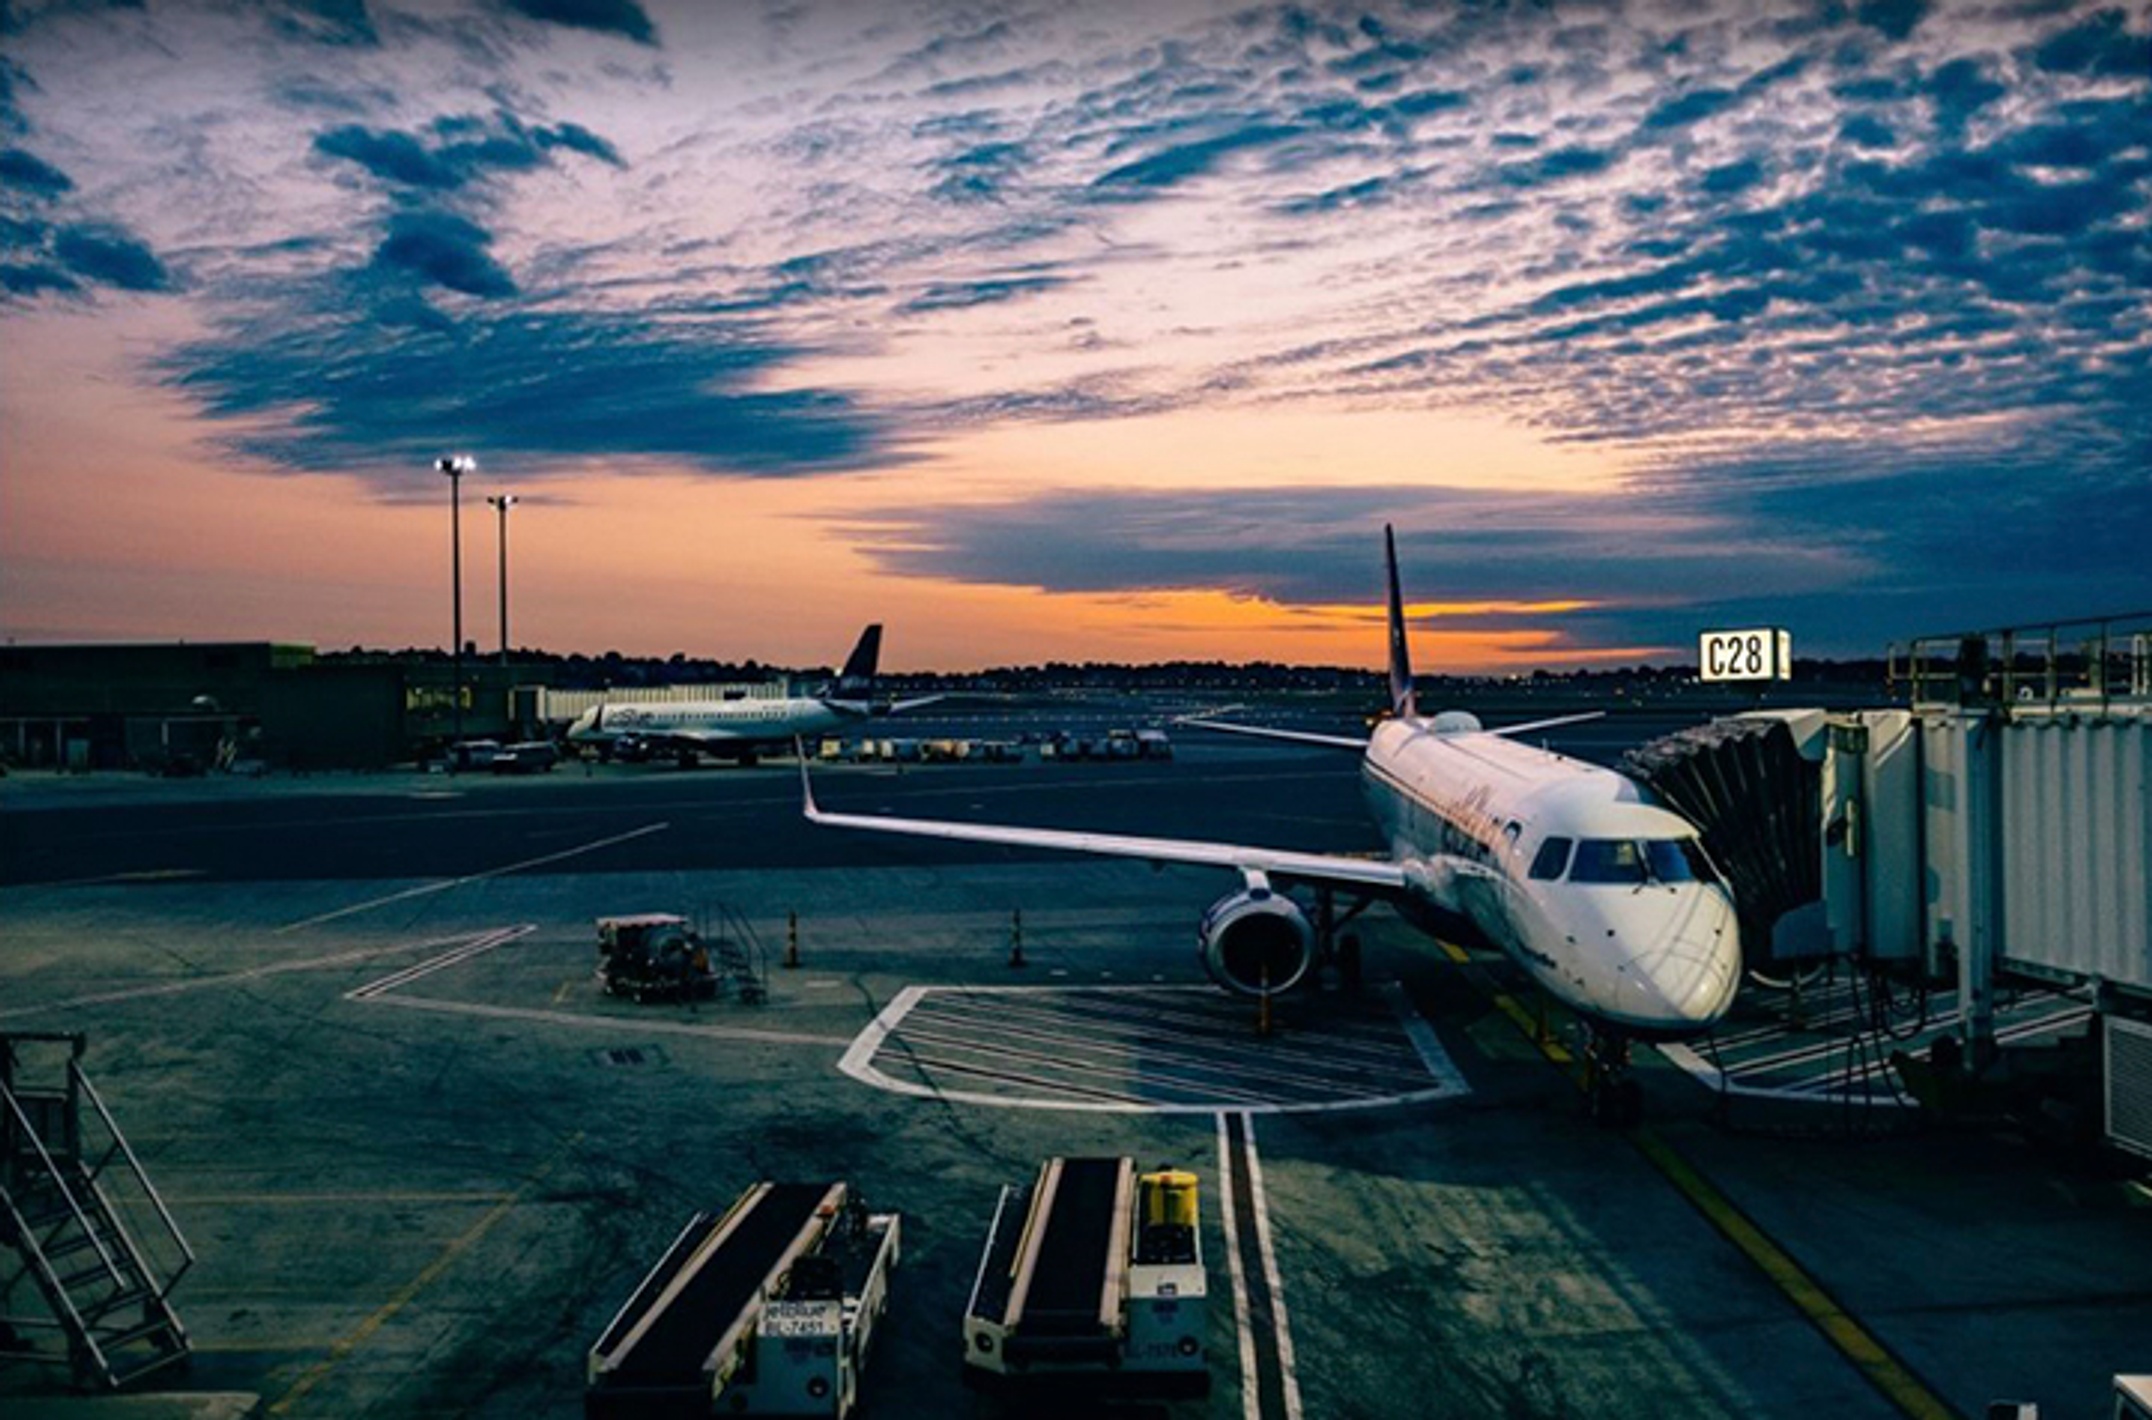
(1612, 1095)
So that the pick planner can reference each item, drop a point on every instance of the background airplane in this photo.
(1605, 899)
(740, 729)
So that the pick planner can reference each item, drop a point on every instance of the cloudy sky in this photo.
(1078, 328)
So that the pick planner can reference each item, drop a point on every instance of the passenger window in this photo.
(1552, 860)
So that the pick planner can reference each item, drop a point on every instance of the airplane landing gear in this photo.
(1331, 950)
(1612, 1095)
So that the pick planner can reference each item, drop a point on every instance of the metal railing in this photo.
(2091, 665)
(742, 956)
(125, 1150)
(26, 1228)
(54, 1171)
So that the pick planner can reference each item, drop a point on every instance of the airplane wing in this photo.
(1261, 732)
(1318, 868)
(866, 708)
(1307, 737)
(1530, 725)
(677, 737)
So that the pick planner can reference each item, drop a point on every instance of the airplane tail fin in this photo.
(857, 677)
(1403, 705)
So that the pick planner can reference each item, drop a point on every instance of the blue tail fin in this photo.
(1402, 703)
(857, 677)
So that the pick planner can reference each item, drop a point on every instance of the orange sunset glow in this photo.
(1070, 340)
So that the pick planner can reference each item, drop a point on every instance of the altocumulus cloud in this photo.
(620, 17)
(330, 393)
(1779, 258)
(445, 250)
(459, 149)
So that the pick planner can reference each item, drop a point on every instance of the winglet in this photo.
(807, 803)
(1403, 704)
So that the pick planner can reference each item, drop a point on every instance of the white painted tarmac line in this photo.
(1425, 1041)
(1278, 1315)
(1322, 1047)
(620, 1024)
(858, 1063)
(227, 978)
(1215, 1011)
(1232, 1058)
(474, 946)
(1133, 1086)
(443, 886)
(1109, 1098)
(858, 1059)
(1819, 1089)
(1251, 1395)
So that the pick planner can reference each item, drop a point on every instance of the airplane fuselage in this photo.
(710, 724)
(1604, 898)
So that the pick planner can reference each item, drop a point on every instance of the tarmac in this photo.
(351, 1027)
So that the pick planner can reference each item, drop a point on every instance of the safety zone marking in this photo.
(1835, 1051)
(1146, 1049)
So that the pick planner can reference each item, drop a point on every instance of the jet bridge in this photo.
(1997, 829)
(1756, 800)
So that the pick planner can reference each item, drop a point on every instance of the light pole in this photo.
(456, 466)
(504, 502)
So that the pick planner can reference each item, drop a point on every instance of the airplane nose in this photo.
(1685, 980)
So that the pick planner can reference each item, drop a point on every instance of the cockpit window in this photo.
(1608, 860)
(1641, 860)
(1699, 862)
(1553, 858)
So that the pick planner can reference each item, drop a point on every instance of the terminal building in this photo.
(187, 707)
(194, 706)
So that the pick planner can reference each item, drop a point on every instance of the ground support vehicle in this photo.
(1092, 1277)
(654, 956)
(769, 1309)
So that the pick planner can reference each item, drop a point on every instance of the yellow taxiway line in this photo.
(339, 1352)
(1856, 1343)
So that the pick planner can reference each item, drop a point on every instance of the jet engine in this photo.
(1256, 939)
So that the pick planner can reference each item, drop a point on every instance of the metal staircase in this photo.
(741, 960)
(89, 1254)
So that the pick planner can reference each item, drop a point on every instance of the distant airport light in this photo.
(1761, 653)
(456, 466)
(503, 502)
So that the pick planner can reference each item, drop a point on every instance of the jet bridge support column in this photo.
(1980, 946)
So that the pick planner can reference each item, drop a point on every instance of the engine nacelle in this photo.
(1256, 939)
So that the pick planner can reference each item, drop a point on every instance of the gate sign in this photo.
(1762, 654)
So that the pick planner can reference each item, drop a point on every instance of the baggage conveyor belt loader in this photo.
(767, 1309)
(1092, 1276)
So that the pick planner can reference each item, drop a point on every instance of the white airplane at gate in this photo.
(740, 728)
(1607, 900)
